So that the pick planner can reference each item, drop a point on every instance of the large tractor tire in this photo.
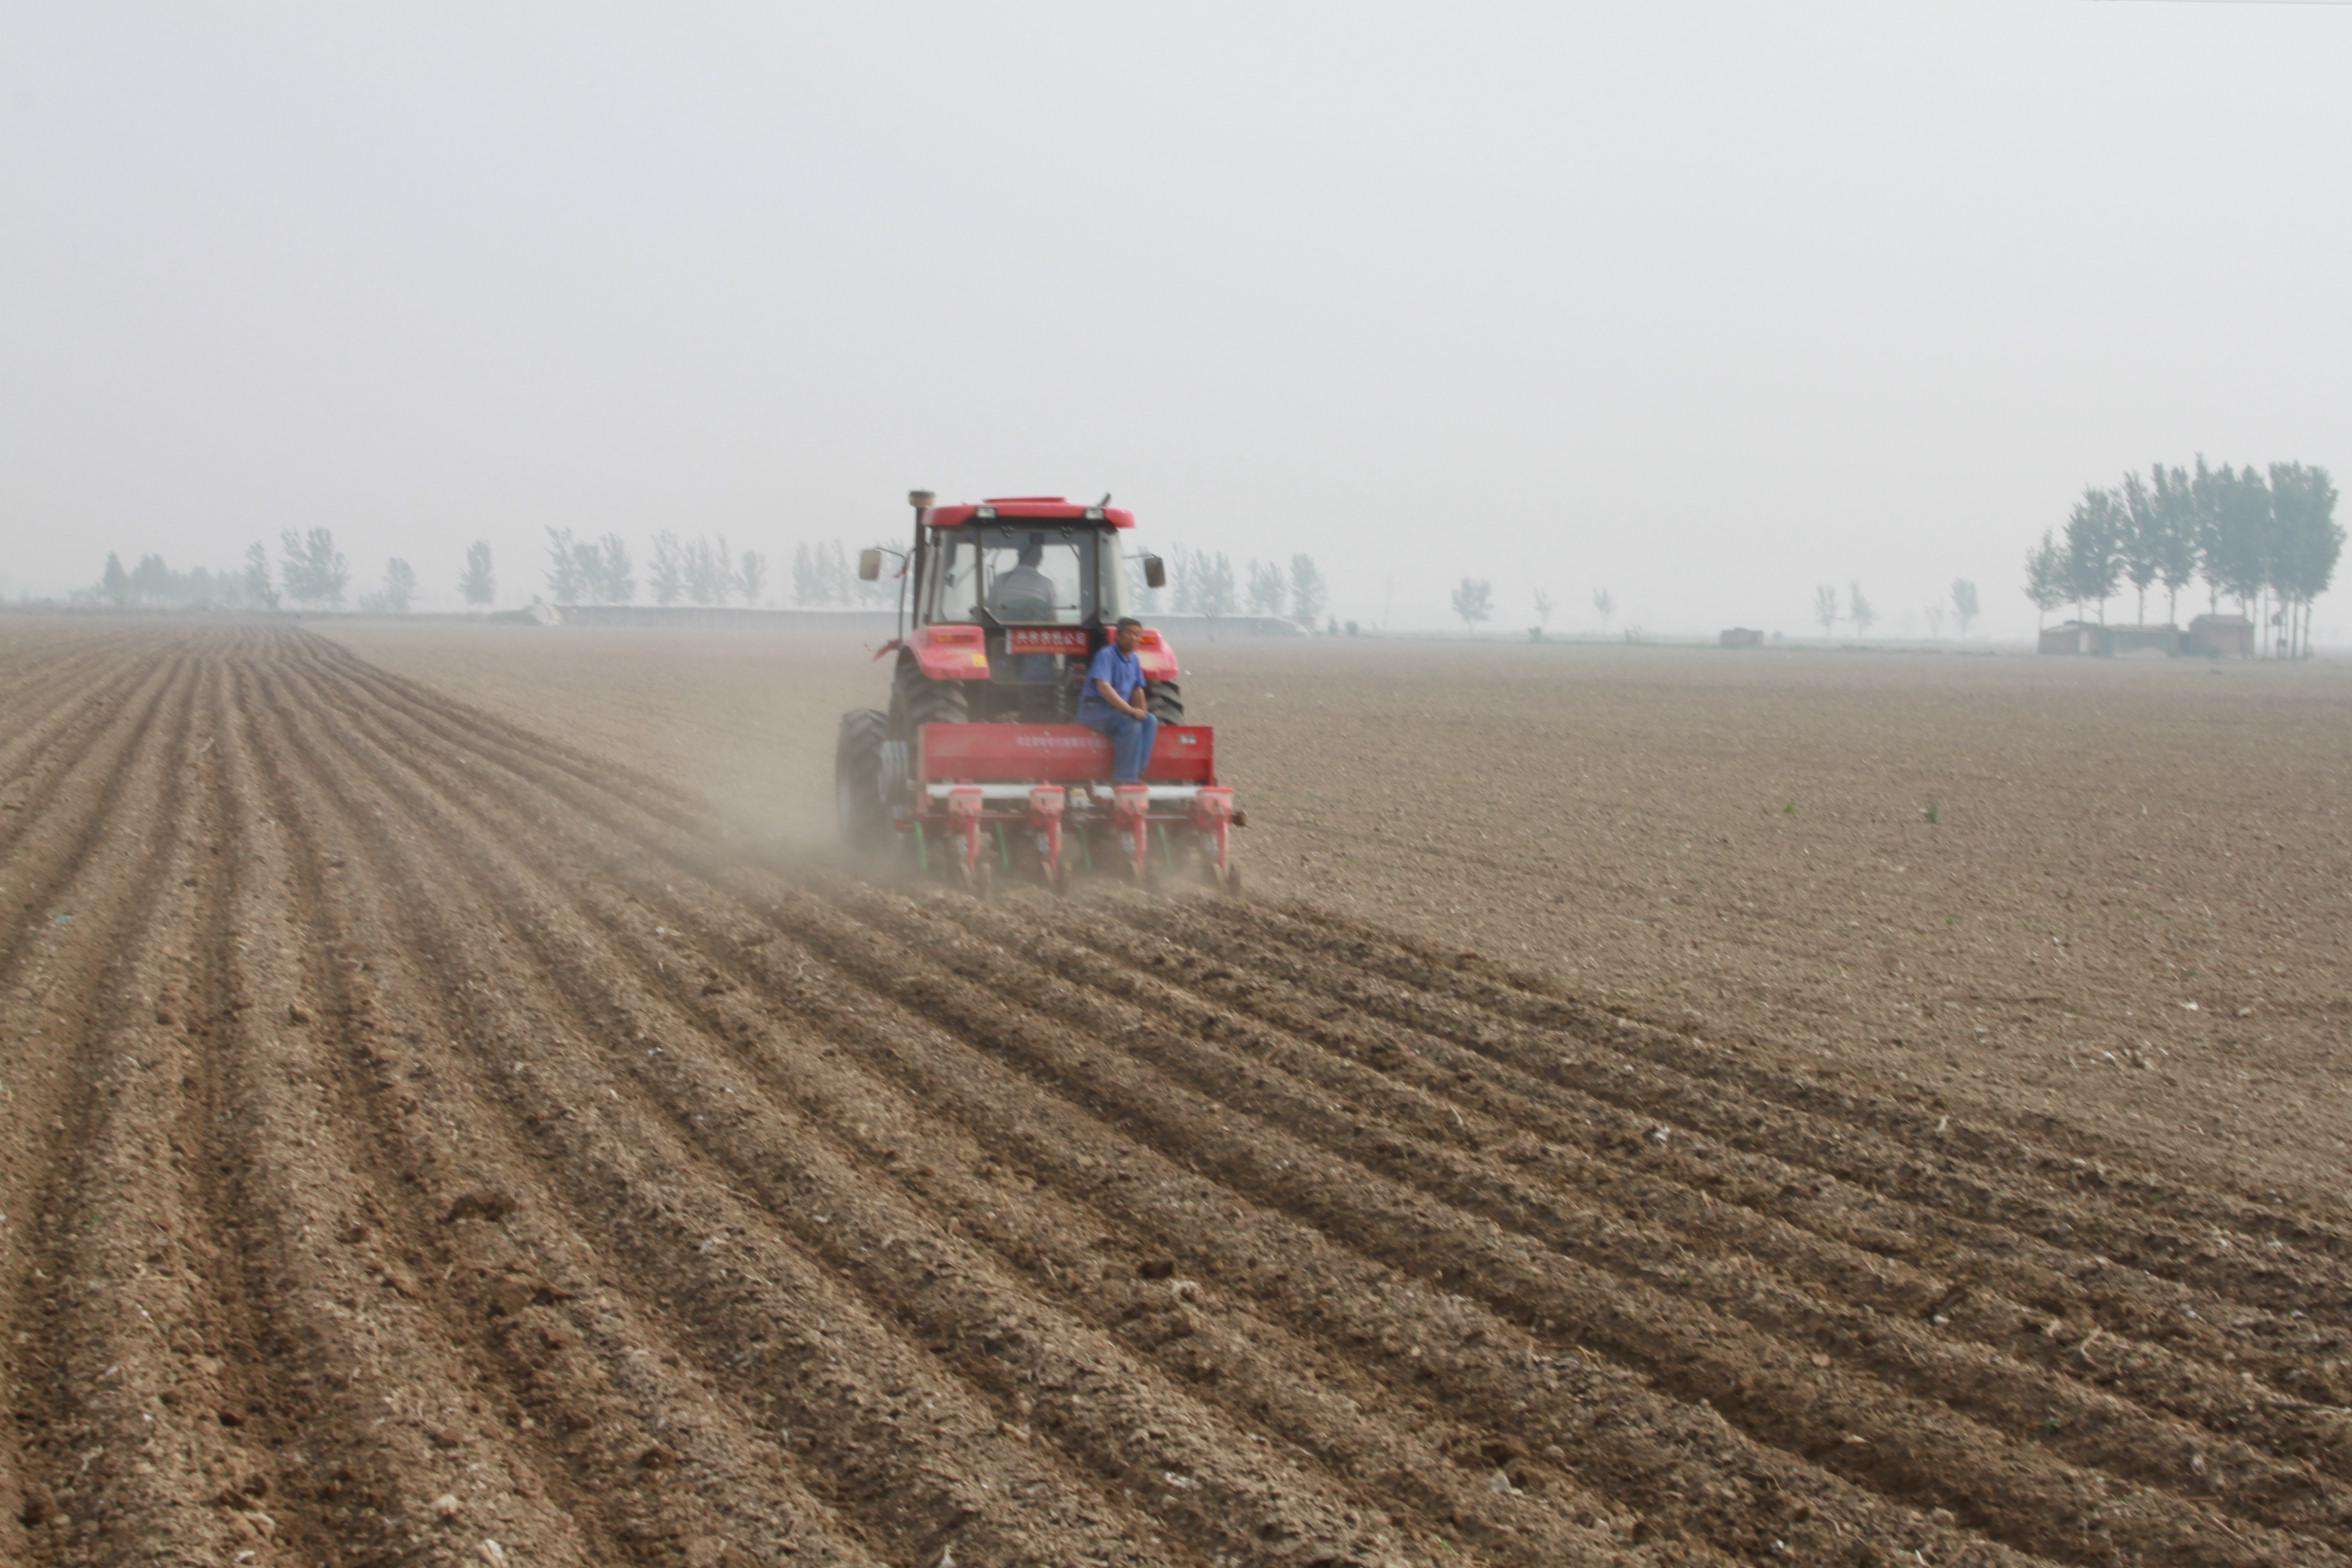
(916, 701)
(1164, 700)
(858, 806)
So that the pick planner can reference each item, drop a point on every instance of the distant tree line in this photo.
(2269, 542)
(1206, 585)
(1203, 584)
(821, 575)
(312, 572)
(1854, 608)
(154, 585)
(1473, 601)
(703, 570)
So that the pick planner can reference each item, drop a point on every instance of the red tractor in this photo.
(979, 767)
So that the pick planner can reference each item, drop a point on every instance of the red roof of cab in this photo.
(1027, 508)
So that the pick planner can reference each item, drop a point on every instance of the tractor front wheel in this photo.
(1164, 700)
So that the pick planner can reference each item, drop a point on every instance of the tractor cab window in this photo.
(1020, 575)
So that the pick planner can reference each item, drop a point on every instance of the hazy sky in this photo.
(1707, 303)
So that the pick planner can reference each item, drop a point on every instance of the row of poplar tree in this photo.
(700, 570)
(2268, 541)
(1207, 585)
(311, 571)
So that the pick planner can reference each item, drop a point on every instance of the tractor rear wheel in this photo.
(1164, 700)
(858, 807)
(916, 701)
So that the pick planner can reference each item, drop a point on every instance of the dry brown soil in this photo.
(430, 1137)
(2134, 906)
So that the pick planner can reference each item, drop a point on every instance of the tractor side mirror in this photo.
(869, 564)
(1155, 572)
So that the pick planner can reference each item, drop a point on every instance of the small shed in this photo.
(2075, 637)
(2147, 642)
(2221, 637)
(1739, 637)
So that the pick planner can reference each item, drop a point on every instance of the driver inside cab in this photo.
(1024, 593)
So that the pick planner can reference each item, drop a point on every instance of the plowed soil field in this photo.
(425, 1140)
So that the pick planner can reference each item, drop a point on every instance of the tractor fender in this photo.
(1155, 655)
(950, 653)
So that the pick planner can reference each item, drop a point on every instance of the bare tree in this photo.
(1187, 571)
(2045, 578)
(752, 573)
(1266, 589)
(1964, 604)
(1606, 603)
(723, 569)
(477, 584)
(1218, 593)
(330, 573)
(615, 575)
(2140, 540)
(564, 579)
(2094, 548)
(835, 581)
(705, 573)
(1858, 610)
(1935, 620)
(258, 592)
(315, 572)
(1308, 594)
(2176, 556)
(1825, 608)
(669, 568)
(588, 567)
(1474, 602)
(1543, 610)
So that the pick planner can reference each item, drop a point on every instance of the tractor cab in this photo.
(1024, 572)
(1007, 599)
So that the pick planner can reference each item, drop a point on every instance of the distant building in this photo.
(1739, 637)
(2091, 640)
(2221, 637)
(2125, 642)
(2075, 637)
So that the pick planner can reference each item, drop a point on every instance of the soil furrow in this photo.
(2303, 1370)
(30, 885)
(41, 711)
(707, 1009)
(697, 854)
(1855, 1244)
(119, 1444)
(65, 951)
(1482, 1162)
(2115, 1450)
(1333, 1175)
(883, 1437)
(2138, 1209)
(405, 1446)
(694, 854)
(667, 802)
(425, 1142)
(1990, 1213)
(1682, 1467)
(641, 1451)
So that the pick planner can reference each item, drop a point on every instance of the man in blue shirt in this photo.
(1111, 702)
